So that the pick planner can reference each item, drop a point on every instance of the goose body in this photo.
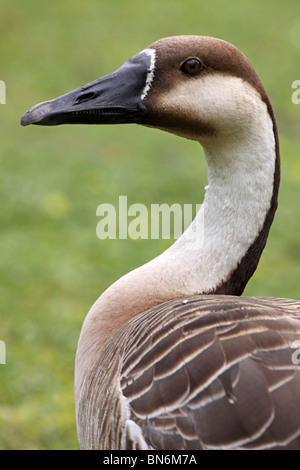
(169, 356)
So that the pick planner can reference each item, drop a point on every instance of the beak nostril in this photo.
(84, 97)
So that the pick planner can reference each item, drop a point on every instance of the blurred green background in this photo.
(52, 265)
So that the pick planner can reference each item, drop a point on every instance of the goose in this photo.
(171, 356)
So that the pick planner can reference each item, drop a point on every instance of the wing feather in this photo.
(215, 372)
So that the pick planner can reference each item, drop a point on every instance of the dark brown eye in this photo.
(191, 66)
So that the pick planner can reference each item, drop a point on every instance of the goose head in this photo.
(193, 86)
(204, 89)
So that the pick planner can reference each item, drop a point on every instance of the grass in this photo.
(53, 266)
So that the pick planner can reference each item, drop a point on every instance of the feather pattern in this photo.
(204, 372)
(215, 373)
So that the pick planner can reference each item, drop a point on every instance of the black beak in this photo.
(113, 99)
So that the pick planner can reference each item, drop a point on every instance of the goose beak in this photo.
(113, 99)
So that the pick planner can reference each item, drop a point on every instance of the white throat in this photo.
(241, 166)
(237, 200)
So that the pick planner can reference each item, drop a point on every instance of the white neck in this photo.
(237, 199)
(241, 166)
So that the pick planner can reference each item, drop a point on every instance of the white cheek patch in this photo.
(150, 76)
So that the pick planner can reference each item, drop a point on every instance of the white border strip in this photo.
(151, 53)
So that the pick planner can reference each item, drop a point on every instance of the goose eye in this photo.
(191, 66)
